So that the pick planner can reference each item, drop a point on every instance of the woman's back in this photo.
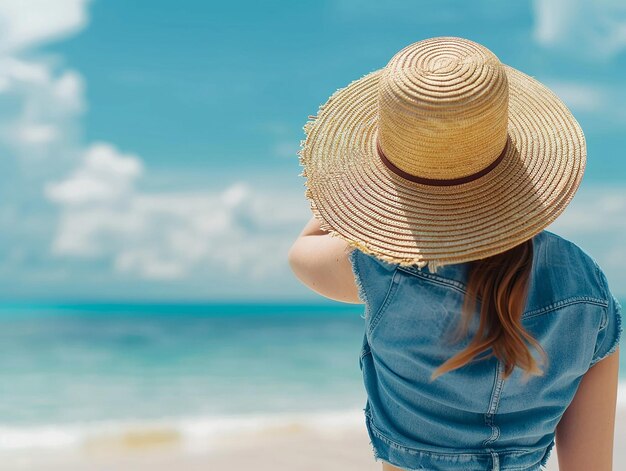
(447, 155)
(472, 418)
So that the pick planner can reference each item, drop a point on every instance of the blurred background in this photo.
(150, 191)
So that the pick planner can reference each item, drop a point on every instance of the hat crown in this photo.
(443, 108)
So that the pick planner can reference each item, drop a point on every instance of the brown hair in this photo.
(500, 284)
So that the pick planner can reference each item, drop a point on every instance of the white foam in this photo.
(190, 433)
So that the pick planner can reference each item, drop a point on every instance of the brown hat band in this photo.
(435, 181)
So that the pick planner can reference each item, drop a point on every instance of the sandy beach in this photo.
(288, 446)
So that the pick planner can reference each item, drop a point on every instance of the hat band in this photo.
(435, 181)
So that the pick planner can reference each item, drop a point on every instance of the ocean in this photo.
(87, 373)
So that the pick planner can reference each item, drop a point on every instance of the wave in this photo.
(191, 433)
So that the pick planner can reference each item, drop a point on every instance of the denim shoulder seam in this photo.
(435, 278)
(565, 302)
(535, 312)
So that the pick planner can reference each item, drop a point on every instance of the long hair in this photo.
(500, 285)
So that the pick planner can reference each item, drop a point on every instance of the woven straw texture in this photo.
(442, 108)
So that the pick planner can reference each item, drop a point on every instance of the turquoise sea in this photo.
(77, 372)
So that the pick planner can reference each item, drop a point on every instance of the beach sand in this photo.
(288, 448)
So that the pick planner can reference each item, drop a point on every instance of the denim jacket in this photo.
(470, 418)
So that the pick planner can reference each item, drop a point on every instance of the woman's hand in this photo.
(312, 228)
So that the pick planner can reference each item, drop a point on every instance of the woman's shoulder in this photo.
(562, 268)
(563, 248)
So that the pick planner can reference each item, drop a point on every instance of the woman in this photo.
(431, 182)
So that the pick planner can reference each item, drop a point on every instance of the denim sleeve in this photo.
(373, 278)
(356, 270)
(610, 330)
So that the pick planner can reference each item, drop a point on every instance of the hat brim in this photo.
(358, 198)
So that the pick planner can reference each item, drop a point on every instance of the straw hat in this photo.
(445, 155)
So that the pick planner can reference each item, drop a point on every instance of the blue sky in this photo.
(148, 151)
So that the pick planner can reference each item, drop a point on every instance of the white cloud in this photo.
(580, 96)
(172, 235)
(39, 103)
(600, 104)
(34, 134)
(553, 19)
(28, 23)
(102, 213)
(40, 109)
(104, 175)
(586, 31)
(596, 210)
(596, 221)
(596, 29)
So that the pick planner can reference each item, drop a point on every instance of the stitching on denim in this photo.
(605, 318)
(564, 302)
(435, 278)
(365, 351)
(604, 285)
(616, 339)
(379, 434)
(493, 405)
(597, 348)
(535, 312)
(414, 451)
(495, 459)
(388, 296)
(523, 468)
